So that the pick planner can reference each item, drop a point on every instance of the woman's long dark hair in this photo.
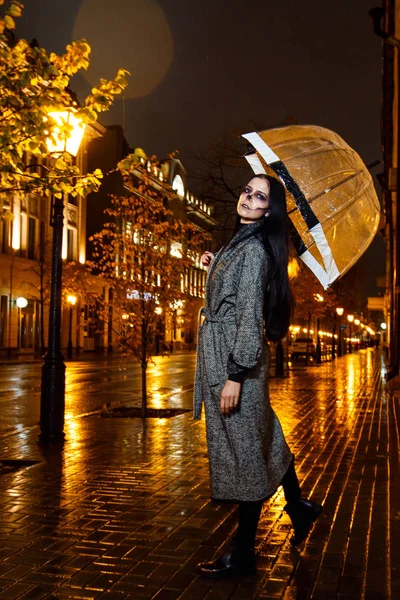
(274, 235)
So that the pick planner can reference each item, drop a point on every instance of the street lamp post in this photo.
(21, 302)
(339, 312)
(52, 401)
(350, 319)
(318, 349)
(357, 324)
(71, 301)
(318, 298)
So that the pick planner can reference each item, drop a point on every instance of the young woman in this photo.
(248, 302)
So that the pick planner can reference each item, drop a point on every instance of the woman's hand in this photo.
(230, 397)
(206, 259)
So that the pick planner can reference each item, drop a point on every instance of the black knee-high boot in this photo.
(302, 513)
(241, 559)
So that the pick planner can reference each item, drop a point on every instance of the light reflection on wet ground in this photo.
(133, 496)
(93, 384)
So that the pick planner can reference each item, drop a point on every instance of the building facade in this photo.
(25, 256)
(386, 21)
(180, 330)
(25, 263)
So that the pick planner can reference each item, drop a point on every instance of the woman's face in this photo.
(253, 202)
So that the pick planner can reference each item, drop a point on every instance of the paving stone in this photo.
(69, 592)
(38, 592)
(296, 593)
(274, 587)
(15, 590)
(111, 596)
(167, 595)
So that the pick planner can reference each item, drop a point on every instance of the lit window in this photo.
(33, 225)
(72, 244)
(176, 249)
(24, 232)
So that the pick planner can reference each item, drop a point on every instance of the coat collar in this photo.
(241, 235)
(249, 230)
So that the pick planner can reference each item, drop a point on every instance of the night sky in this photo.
(200, 69)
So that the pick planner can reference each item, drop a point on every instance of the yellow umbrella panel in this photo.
(332, 203)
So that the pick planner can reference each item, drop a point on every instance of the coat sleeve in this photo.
(249, 337)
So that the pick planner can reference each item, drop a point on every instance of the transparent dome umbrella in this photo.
(332, 203)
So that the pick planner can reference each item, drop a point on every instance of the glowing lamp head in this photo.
(350, 318)
(65, 142)
(383, 325)
(158, 310)
(71, 300)
(339, 311)
(22, 302)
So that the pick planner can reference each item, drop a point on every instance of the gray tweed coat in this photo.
(247, 451)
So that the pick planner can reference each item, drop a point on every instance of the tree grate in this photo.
(11, 466)
(135, 412)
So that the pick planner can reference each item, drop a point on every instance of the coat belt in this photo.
(207, 315)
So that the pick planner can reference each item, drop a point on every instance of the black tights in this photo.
(290, 484)
(249, 515)
(249, 512)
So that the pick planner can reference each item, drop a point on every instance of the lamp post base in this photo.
(52, 400)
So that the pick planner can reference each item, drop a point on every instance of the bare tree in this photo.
(221, 171)
(143, 253)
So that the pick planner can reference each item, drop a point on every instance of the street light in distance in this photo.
(339, 312)
(350, 318)
(71, 301)
(22, 302)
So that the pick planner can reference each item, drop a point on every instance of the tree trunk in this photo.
(144, 391)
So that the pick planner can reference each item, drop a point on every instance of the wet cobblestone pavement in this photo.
(123, 512)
